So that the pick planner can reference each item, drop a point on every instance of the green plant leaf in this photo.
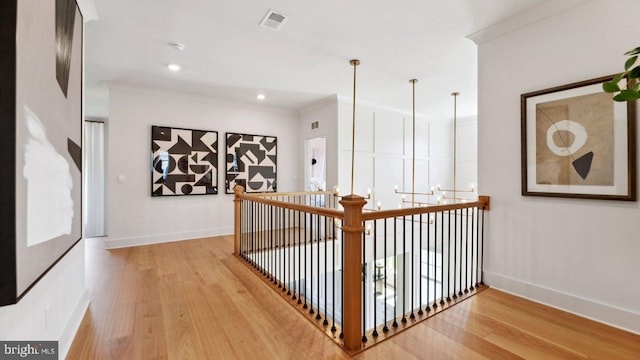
(627, 95)
(617, 78)
(635, 73)
(635, 51)
(633, 94)
(629, 63)
(610, 87)
(619, 98)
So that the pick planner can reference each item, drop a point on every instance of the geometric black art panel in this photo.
(41, 93)
(251, 161)
(184, 161)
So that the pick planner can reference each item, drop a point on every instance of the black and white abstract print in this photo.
(184, 161)
(251, 161)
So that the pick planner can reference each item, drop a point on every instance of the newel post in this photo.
(238, 190)
(352, 231)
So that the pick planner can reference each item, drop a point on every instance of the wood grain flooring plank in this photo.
(195, 300)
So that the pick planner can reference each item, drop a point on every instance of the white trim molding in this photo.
(600, 312)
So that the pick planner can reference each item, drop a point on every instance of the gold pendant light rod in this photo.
(455, 189)
(413, 163)
(355, 63)
(455, 138)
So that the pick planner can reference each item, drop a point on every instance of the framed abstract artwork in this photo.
(183, 161)
(578, 143)
(41, 147)
(251, 161)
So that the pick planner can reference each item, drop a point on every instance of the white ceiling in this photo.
(229, 56)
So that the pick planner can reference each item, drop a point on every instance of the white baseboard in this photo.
(162, 238)
(604, 313)
(70, 330)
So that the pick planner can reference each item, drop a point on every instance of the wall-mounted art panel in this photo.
(41, 108)
(578, 143)
(183, 161)
(251, 161)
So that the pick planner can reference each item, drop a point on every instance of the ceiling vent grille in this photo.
(274, 20)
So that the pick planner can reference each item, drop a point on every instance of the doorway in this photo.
(94, 179)
(316, 164)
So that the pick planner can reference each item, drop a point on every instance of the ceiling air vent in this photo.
(273, 20)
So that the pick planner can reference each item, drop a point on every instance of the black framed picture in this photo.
(183, 161)
(578, 143)
(41, 106)
(251, 161)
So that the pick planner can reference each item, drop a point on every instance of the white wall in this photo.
(384, 153)
(578, 255)
(134, 216)
(325, 112)
(53, 308)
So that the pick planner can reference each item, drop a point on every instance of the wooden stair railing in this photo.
(353, 335)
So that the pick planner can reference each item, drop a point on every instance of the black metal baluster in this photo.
(256, 253)
(270, 254)
(242, 230)
(245, 227)
(299, 275)
(306, 273)
(333, 261)
(420, 312)
(364, 286)
(269, 242)
(384, 283)
(318, 317)
(254, 233)
(264, 240)
(395, 273)
(326, 271)
(261, 227)
(375, 258)
(342, 283)
(455, 252)
(461, 251)
(285, 251)
(260, 254)
(435, 260)
(404, 269)
(442, 259)
(428, 308)
(273, 267)
(474, 231)
(290, 248)
(466, 257)
(474, 256)
(280, 247)
(412, 254)
(482, 249)
(311, 311)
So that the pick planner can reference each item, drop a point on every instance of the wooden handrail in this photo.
(374, 215)
(352, 229)
(333, 213)
(293, 193)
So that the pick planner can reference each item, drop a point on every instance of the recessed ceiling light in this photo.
(174, 67)
(261, 96)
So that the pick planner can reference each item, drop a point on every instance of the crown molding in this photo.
(525, 18)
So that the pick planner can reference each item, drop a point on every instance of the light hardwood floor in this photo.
(194, 300)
